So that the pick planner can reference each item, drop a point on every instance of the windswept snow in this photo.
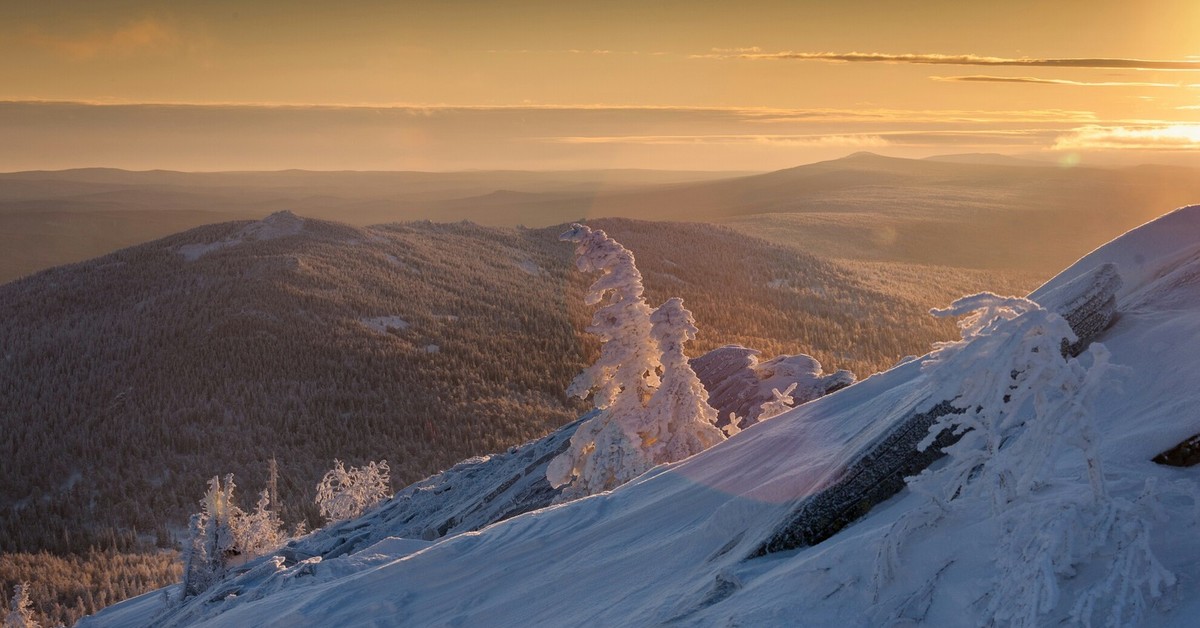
(381, 324)
(277, 225)
(529, 267)
(671, 546)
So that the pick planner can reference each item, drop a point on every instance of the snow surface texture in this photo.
(669, 546)
(464, 498)
(277, 225)
(876, 471)
(738, 384)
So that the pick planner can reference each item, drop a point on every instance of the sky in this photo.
(454, 85)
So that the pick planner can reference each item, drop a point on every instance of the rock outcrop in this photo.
(738, 384)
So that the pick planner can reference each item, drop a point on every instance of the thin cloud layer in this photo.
(968, 59)
(1047, 81)
(1008, 137)
(447, 137)
(139, 36)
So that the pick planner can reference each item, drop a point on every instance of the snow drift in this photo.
(1102, 536)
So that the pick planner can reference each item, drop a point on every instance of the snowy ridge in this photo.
(277, 225)
(875, 469)
(464, 498)
(670, 546)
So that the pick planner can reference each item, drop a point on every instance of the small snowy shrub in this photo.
(780, 403)
(259, 532)
(345, 494)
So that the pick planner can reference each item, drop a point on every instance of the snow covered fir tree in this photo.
(650, 406)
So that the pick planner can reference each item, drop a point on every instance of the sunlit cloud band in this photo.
(968, 59)
(1167, 137)
(1047, 81)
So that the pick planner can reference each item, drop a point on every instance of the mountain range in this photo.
(944, 211)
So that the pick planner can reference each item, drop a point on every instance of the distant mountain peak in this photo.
(866, 154)
(278, 225)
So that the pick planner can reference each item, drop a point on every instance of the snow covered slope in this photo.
(672, 546)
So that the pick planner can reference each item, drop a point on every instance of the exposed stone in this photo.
(738, 384)
(1185, 454)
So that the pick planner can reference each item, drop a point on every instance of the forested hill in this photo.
(130, 379)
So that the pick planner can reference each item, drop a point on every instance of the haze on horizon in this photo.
(422, 85)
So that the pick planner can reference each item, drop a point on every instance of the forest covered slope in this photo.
(131, 379)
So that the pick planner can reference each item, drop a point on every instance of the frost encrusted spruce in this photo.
(678, 421)
(602, 456)
(644, 419)
(1021, 405)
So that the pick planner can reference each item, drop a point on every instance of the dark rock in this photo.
(738, 384)
(1185, 454)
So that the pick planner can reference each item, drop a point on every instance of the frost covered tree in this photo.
(222, 534)
(605, 450)
(1023, 406)
(212, 540)
(347, 493)
(20, 614)
(678, 421)
(651, 407)
(626, 372)
(261, 531)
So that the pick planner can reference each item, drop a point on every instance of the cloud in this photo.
(711, 113)
(750, 50)
(850, 140)
(1012, 137)
(568, 51)
(944, 59)
(1174, 137)
(144, 35)
(1046, 81)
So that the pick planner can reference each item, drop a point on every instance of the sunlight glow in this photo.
(1165, 137)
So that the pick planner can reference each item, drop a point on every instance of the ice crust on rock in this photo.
(738, 384)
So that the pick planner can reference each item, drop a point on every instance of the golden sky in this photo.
(445, 85)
